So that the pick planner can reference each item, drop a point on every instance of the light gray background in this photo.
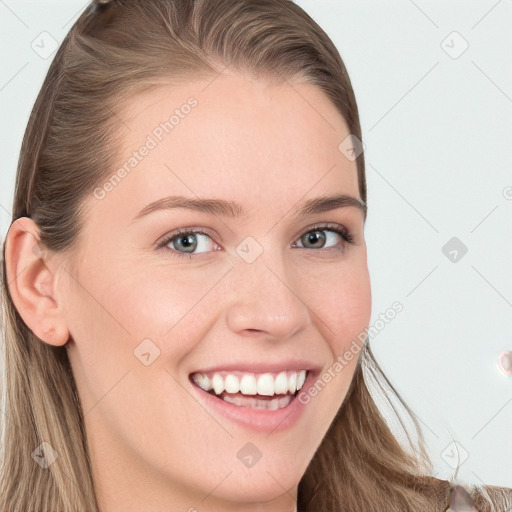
(438, 132)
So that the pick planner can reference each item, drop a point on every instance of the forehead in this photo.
(228, 136)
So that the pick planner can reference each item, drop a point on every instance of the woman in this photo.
(185, 277)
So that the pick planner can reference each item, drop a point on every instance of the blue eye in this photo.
(187, 239)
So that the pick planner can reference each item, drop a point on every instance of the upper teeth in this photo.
(251, 384)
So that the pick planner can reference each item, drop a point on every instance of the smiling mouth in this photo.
(257, 402)
(270, 391)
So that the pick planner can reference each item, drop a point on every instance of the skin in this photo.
(268, 147)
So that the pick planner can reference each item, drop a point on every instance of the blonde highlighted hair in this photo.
(111, 53)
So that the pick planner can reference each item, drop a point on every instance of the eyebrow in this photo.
(222, 207)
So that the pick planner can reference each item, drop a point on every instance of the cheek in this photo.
(177, 305)
(156, 317)
(354, 311)
(345, 309)
(171, 304)
(341, 301)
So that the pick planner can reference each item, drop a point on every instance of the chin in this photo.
(261, 483)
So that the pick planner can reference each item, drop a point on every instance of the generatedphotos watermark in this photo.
(342, 360)
(151, 142)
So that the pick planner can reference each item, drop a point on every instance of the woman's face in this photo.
(261, 290)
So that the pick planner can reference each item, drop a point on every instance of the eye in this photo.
(186, 239)
(185, 242)
(316, 236)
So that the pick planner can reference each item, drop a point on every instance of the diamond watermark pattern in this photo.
(146, 352)
(454, 455)
(351, 147)
(454, 249)
(39, 251)
(44, 455)
(249, 455)
(454, 45)
(249, 249)
(44, 45)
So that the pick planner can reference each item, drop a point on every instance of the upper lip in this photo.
(263, 367)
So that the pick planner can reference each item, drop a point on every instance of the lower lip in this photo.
(259, 420)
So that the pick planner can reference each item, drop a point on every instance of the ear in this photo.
(32, 283)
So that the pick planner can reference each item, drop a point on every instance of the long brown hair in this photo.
(112, 52)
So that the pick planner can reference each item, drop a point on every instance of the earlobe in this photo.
(31, 283)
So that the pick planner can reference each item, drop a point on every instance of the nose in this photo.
(265, 299)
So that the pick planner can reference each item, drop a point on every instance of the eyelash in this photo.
(340, 230)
